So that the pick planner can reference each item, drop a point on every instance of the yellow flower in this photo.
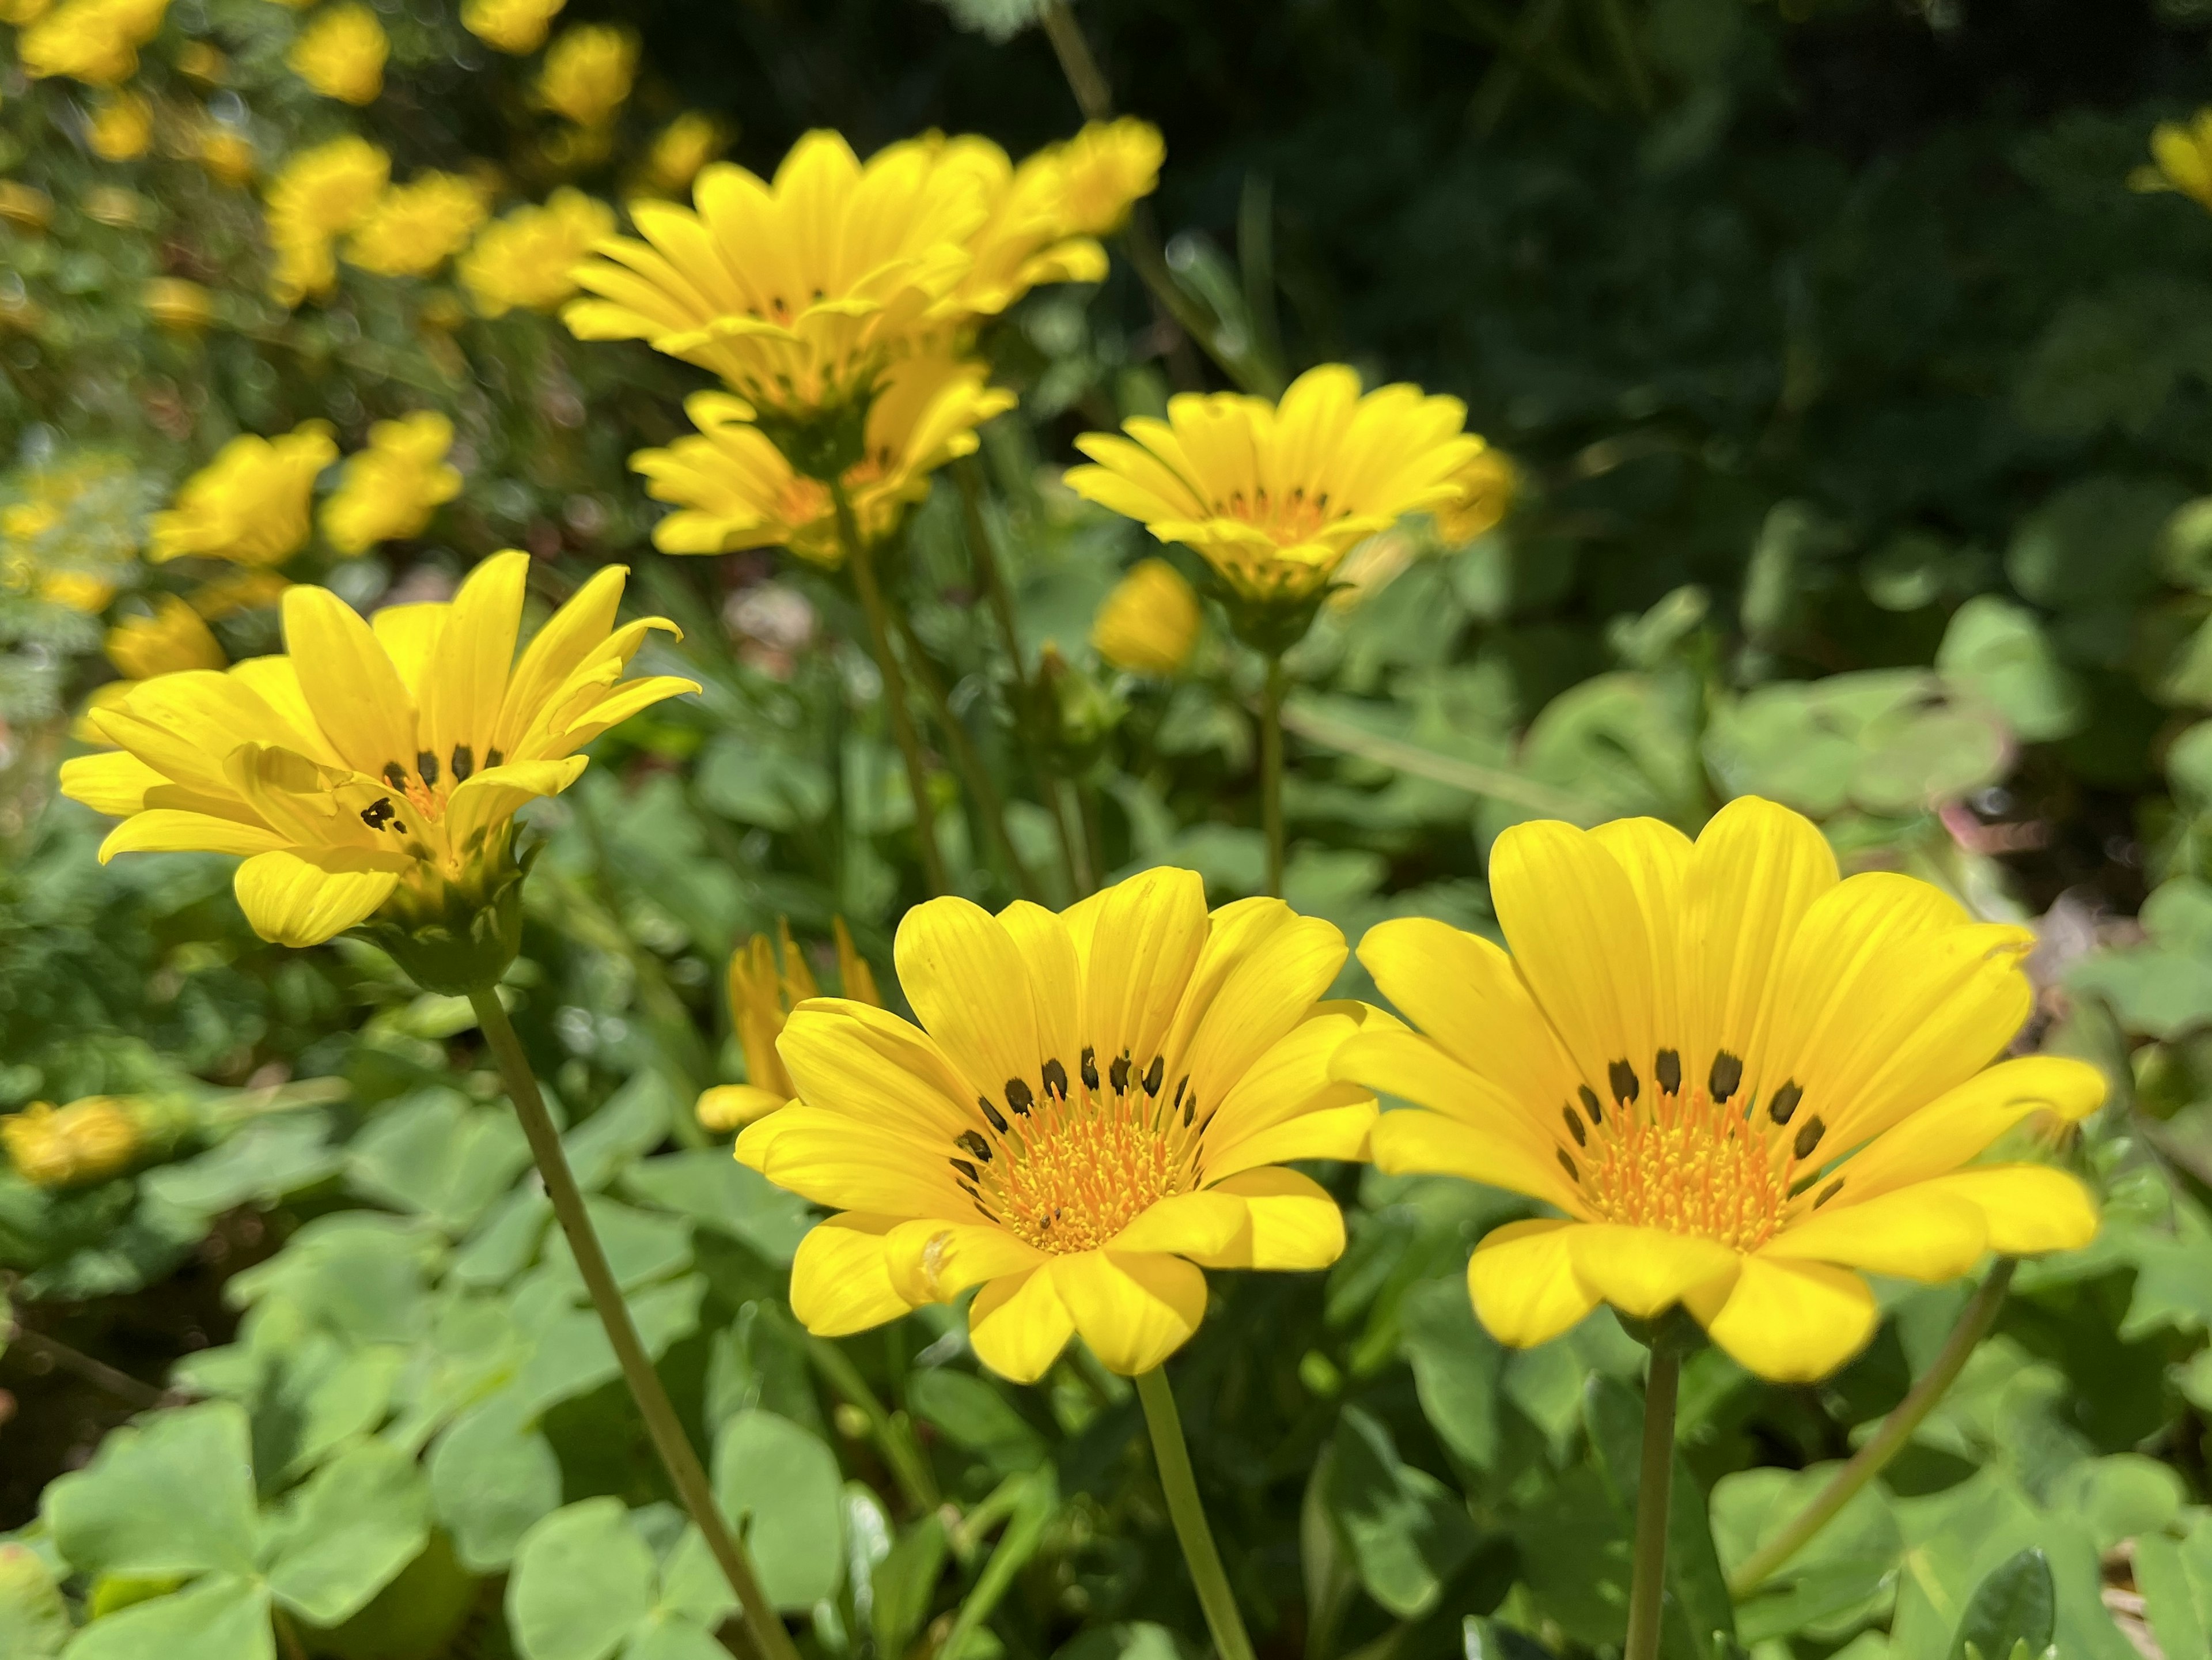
(1273, 497)
(513, 26)
(1108, 166)
(87, 1141)
(761, 998)
(795, 292)
(25, 205)
(1149, 624)
(2181, 157)
(389, 490)
(173, 639)
(528, 258)
(203, 63)
(417, 227)
(22, 13)
(735, 489)
(685, 145)
(121, 127)
(341, 53)
(320, 194)
(249, 505)
(177, 304)
(370, 765)
(1488, 483)
(1095, 1105)
(1741, 1080)
(95, 41)
(227, 154)
(588, 72)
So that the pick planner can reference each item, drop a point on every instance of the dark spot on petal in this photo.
(998, 1119)
(987, 1215)
(1181, 1084)
(464, 762)
(1118, 1074)
(1783, 1106)
(964, 1167)
(974, 1144)
(1726, 1076)
(395, 774)
(1809, 1137)
(1591, 1104)
(1090, 1068)
(379, 813)
(1668, 1068)
(1155, 1075)
(427, 764)
(1829, 1192)
(1568, 1164)
(1055, 1080)
(493, 757)
(1622, 1077)
(1019, 1096)
(1574, 1126)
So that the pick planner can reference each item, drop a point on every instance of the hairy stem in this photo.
(1207, 1575)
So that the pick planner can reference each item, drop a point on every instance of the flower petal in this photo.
(1140, 940)
(290, 902)
(1198, 1224)
(1133, 1309)
(465, 684)
(166, 830)
(1963, 1121)
(933, 1261)
(970, 990)
(1790, 1323)
(1914, 1233)
(1523, 1282)
(1657, 858)
(1646, 1271)
(2026, 1207)
(1291, 1223)
(358, 698)
(839, 1283)
(823, 1156)
(1018, 1325)
(1341, 1132)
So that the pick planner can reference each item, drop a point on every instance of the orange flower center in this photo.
(1286, 521)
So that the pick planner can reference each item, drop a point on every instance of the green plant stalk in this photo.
(1207, 1575)
(1271, 770)
(1647, 1586)
(894, 1431)
(770, 1639)
(1974, 1323)
(862, 559)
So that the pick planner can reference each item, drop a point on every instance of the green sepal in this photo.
(463, 936)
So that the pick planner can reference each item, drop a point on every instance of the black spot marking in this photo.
(964, 1167)
(427, 764)
(395, 774)
(1118, 1074)
(1090, 1068)
(1189, 1109)
(1726, 1077)
(1568, 1164)
(1809, 1137)
(1591, 1104)
(974, 1144)
(987, 1215)
(1668, 1068)
(1019, 1097)
(1155, 1075)
(1574, 1126)
(493, 757)
(379, 813)
(1622, 1077)
(1055, 1079)
(1829, 1192)
(998, 1119)
(1784, 1107)
(464, 762)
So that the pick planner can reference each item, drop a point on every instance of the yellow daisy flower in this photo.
(86, 1140)
(169, 641)
(793, 291)
(1273, 496)
(1045, 214)
(341, 53)
(1095, 1105)
(735, 489)
(527, 259)
(320, 194)
(249, 505)
(587, 73)
(95, 41)
(1149, 623)
(389, 490)
(513, 26)
(761, 997)
(121, 127)
(1740, 1079)
(373, 767)
(1108, 168)
(2181, 158)
(415, 227)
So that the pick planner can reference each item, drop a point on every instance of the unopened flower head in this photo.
(95, 41)
(374, 771)
(735, 489)
(762, 994)
(415, 227)
(527, 259)
(1108, 168)
(1740, 1080)
(341, 53)
(249, 505)
(388, 491)
(85, 1141)
(170, 640)
(1488, 484)
(1149, 624)
(588, 72)
(513, 26)
(320, 194)
(1095, 1106)
(2181, 159)
(121, 127)
(683, 146)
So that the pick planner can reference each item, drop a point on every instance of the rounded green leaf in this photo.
(583, 1581)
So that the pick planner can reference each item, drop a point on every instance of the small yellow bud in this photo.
(177, 304)
(121, 127)
(1150, 623)
(87, 1141)
(172, 639)
(227, 154)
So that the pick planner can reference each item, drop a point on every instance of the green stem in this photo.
(1270, 771)
(1207, 1575)
(769, 1638)
(861, 558)
(894, 1431)
(1886, 1442)
(990, 807)
(1648, 1586)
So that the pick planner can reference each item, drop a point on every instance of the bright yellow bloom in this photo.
(121, 127)
(761, 997)
(1108, 166)
(227, 154)
(415, 227)
(22, 13)
(1741, 1080)
(389, 490)
(321, 194)
(528, 258)
(170, 640)
(341, 53)
(735, 489)
(249, 505)
(95, 41)
(685, 145)
(1149, 624)
(1488, 483)
(177, 304)
(1273, 497)
(795, 292)
(87, 1141)
(1096, 1105)
(370, 764)
(513, 26)
(588, 72)
(2181, 158)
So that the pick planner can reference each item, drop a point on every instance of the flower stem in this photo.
(1886, 1442)
(769, 1638)
(1647, 1588)
(1270, 771)
(859, 555)
(1212, 1584)
(894, 1431)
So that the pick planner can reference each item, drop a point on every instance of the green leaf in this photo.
(356, 1273)
(360, 1520)
(1996, 651)
(665, 1636)
(1132, 1639)
(170, 1494)
(2015, 1602)
(2175, 1579)
(1842, 1578)
(436, 1155)
(781, 1488)
(34, 1621)
(715, 1191)
(633, 1120)
(222, 1617)
(583, 1581)
(493, 1476)
(1457, 1367)
(905, 1583)
(571, 1355)
(260, 1164)
(1700, 1617)
(977, 1418)
(1407, 1532)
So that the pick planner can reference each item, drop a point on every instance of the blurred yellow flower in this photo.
(372, 766)
(1108, 168)
(761, 997)
(171, 639)
(684, 145)
(227, 154)
(513, 26)
(528, 258)
(95, 41)
(78, 590)
(177, 304)
(121, 127)
(1273, 496)
(25, 205)
(1150, 623)
(236, 590)
(319, 194)
(588, 72)
(341, 53)
(1095, 1107)
(1488, 484)
(87, 1141)
(1743, 1081)
(23, 12)
(249, 505)
(795, 292)
(203, 63)
(2181, 159)
(389, 490)
(415, 227)
(113, 204)
(735, 489)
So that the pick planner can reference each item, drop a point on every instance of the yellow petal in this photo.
(1261, 969)
(1143, 937)
(1523, 1282)
(970, 990)
(1017, 1326)
(489, 798)
(1497, 1140)
(1341, 1132)
(568, 637)
(1133, 1309)
(1055, 979)
(1790, 1323)
(839, 1283)
(1291, 1079)
(932, 1261)
(873, 1067)
(1646, 1271)
(115, 783)
(726, 1107)
(466, 685)
(1959, 1124)
(826, 1156)
(2026, 1207)
(290, 902)
(1198, 1224)
(408, 634)
(357, 697)
(164, 829)
(1657, 858)
(1291, 1223)
(1914, 1233)
(1757, 870)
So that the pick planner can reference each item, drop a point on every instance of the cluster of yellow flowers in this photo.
(321, 194)
(341, 53)
(95, 41)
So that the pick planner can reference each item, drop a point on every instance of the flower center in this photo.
(1286, 520)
